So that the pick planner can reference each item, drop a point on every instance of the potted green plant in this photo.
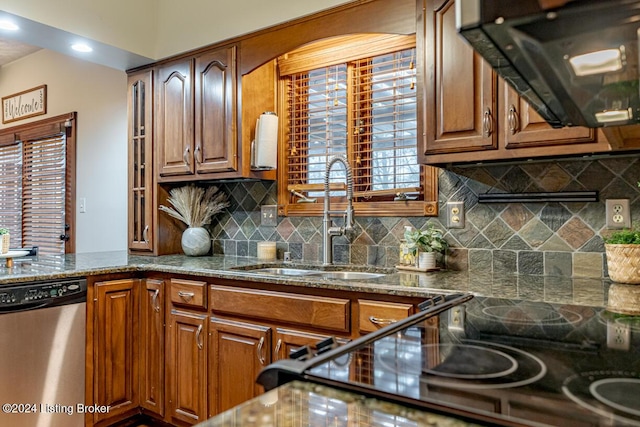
(622, 249)
(4, 247)
(425, 244)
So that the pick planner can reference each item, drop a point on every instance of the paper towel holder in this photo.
(266, 139)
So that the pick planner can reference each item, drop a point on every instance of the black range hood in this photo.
(574, 61)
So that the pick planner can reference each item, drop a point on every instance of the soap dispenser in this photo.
(406, 255)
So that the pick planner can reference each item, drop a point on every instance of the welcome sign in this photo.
(28, 103)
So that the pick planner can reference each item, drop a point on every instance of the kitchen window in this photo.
(36, 184)
(356, 97)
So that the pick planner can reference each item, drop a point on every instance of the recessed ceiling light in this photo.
(8, 25)
(81, 47)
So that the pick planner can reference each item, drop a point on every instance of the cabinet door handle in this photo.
(259, 351)
(186, 295)
(185, 156)
(487, 123)
(513, 120)
(197, 154)
(277, 349)
(380, 321)
(145, 234)
(154, 301)
(199, 337)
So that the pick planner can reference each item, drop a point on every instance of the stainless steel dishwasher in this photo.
(42, 353)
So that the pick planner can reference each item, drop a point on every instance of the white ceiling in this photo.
(11, 50)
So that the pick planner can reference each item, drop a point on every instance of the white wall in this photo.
(98, 95)
(160, 28)
(186, 25)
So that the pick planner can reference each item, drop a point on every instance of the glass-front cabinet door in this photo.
(140, 161)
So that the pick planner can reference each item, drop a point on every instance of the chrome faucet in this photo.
(328, 229)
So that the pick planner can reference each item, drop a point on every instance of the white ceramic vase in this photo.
(427, 260)
(196, 241)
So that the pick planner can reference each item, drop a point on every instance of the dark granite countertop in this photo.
(298, 404)
(562, 290)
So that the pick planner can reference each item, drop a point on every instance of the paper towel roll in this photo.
(266, 145)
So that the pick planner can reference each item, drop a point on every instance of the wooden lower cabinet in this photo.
(187, 367)
(151, 346)
(238, 352)
(157, 350)
(115, 361)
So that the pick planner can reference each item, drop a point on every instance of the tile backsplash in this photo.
(551, 239)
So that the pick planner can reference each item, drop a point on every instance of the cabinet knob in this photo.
(513, 120)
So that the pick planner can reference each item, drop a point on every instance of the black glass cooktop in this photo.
(501, 362)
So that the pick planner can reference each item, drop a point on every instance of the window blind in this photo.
(385, 124)
(11, 191)
(364, 109)
(43, 193)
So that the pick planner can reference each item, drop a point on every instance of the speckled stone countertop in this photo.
(562, 290)
(298, 404)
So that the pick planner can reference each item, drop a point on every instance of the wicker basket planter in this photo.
(4, 248)
(623, 263)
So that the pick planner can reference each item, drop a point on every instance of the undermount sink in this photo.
(347, 275)
(338, 275)
(283, 271)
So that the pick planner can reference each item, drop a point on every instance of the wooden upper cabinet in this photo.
(459, 87)
(522, 126)
(216, 140)
(140, 153)
(470, 115)
(196, 116)
(174, 118)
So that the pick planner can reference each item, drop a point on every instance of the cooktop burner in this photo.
(468, 365)
(614, 394)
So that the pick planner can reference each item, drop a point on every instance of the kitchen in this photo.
(554, 246)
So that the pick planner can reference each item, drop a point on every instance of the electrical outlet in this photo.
(455, 214)
(618, 213)
(269, 215)
(618, 336)
(456, 318)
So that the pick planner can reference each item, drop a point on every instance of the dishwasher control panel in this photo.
(29, 294)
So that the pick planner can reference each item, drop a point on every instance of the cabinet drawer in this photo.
(376, 314)
(317, 312)
(189, 292)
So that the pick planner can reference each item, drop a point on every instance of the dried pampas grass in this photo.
(195, 206)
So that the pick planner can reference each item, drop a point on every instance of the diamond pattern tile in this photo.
(493, 235)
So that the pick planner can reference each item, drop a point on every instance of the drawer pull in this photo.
(187, 296)
(154, 301)
(487, 123)
(381, 322)
(199, 337)
(145, 234)
(277, 349)
(259, 351)
(185, 156)
(513, 120)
